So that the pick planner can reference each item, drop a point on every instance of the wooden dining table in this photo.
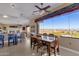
(48, 42)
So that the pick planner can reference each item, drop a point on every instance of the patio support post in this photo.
(37, 27)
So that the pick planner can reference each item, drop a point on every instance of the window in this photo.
(63, 25)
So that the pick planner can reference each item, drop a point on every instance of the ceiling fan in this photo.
(41, 9)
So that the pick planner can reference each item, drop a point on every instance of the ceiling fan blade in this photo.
(46, 7)
(46, 11)
(38, 7)
(35, 11)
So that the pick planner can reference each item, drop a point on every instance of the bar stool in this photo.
(18, 38)
(12, 39)
(15, 39)
(1, 40)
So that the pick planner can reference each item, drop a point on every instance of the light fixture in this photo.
(12, 5)
(5, 16)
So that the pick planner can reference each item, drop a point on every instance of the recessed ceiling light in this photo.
(5, 16)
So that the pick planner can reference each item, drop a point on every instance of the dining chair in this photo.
(33, 42)
(55, 46)
(42, 45)
(1, 40)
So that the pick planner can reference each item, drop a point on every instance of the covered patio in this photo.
(25, 19)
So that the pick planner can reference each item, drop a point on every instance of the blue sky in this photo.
(65, 21)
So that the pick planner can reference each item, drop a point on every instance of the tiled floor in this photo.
(23, 49)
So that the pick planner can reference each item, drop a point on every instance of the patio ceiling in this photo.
(21, 13)
(66, 9)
